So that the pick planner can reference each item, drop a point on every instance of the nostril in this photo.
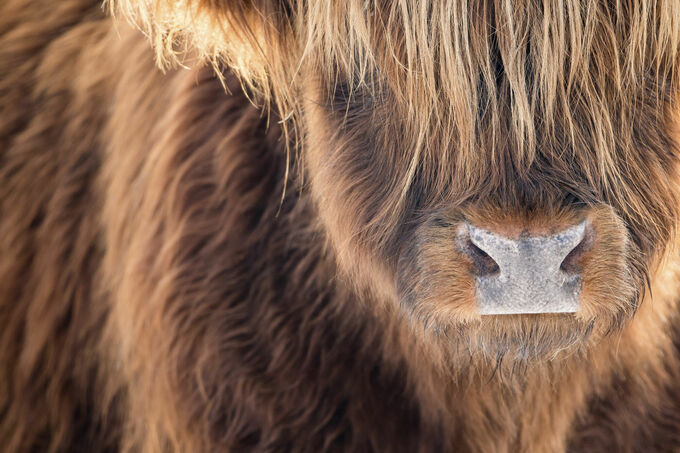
(483, 263)
(528, 255)
(572, 262)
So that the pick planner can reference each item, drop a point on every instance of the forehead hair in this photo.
(474, 83)
(473, 73)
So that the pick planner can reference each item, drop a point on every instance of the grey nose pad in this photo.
(529, 276)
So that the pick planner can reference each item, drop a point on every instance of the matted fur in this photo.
(157, 293)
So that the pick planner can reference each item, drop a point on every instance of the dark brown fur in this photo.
(157, 293)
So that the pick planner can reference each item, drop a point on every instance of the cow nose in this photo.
(530, 274)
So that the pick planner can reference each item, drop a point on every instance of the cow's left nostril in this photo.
(572, 262)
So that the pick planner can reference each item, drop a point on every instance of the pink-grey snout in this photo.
(526, 274)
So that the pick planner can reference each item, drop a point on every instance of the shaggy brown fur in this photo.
(181, 270)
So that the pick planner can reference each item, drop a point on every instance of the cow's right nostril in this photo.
(483, 263)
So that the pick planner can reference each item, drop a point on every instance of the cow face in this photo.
(526, 258)
(504, 176)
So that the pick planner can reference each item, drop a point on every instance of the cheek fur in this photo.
(354, 182)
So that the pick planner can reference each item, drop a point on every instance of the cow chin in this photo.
(439, 286)
(526, 338)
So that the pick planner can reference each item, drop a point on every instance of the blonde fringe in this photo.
(442, 59)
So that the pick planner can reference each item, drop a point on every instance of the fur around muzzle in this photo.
(579, 264)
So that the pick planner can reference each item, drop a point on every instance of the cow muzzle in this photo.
(531, 273)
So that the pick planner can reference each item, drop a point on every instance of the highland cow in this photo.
(352, 225)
